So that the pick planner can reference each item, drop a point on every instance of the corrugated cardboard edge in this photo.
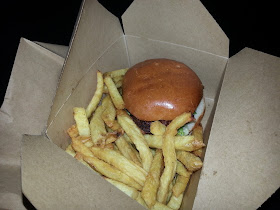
(241, 168)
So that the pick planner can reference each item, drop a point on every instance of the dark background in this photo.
(247, 23)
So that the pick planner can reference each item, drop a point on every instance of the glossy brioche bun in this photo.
(161, 89)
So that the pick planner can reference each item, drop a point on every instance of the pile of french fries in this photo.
(154, 169)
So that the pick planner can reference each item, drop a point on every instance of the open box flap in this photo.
(185, 22)
(96, 30)
(56, 169)
(25, 109)
(241, 166)
(60, 50)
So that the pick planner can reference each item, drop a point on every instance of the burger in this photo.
(162, 89)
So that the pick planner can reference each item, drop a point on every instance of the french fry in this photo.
(73, 131)
(180, 185)
(81, 121)
(181, 170)
(109, 146)
(109, 113)
(120, 162)
(191, 162)
(81, 148)
(97, 127)
(169, 193)
(118, 85)
(127, 150)
(114, 93)
(149, 191)
(111, 137)
(74, 134)
(186, 143)
(116, 149)
(140, 200)
(198, 135)
(137, 137)
(198, 152)
(79, 157)
(130, 191)
(118, 80)
(111, 172)
(132, 146)
(152, 169)
(157, 128)
(70, 150)
(175, 202)
(168, 149)
(116, 73)
(97, 95)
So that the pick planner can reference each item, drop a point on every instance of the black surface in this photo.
(253, 24)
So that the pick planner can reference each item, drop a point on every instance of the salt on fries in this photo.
(153, 169)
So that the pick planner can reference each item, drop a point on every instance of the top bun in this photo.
(161, 89)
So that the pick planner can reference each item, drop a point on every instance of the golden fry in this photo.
(114, 93)
(175, 202)
(157, 128)
(149, 191)
(109, 113)
(81, 121)
(111, 172)
(198, 152)
(73, 131)
(126, 149)
(168, 149)
(141, 201)
(180, 185)
(198, 135)
(70, 150)
(81, 148)
(120, 162)
(97, 127)
(132, 146)
(110, 138)
(186, 143)
(118, 78)
(130, 191)
(97, 95)
(181, 170)
(169, 193)
(134, 133)
(79, 157)
(118, 85)
(191, 162)
(116, 73)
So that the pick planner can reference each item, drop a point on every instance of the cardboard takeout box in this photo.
(241, 164)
